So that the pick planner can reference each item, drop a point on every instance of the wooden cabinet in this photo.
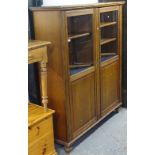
(84, 64)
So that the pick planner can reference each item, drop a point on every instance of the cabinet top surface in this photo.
(36, 43)
(36, 113)
(70, 7)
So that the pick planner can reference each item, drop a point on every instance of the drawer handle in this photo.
(38, 129)
(44, 149)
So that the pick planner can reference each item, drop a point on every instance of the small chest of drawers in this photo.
(40, 131)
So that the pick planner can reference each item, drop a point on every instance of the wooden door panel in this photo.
(83, 107)
(109, 85)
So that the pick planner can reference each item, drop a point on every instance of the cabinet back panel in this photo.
(79, 24)
(81, 51)
(109, 32)
(109, 48)
(110, 16)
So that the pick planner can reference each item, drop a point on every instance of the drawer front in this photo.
(36, 55)
(40, 129)
(42, 146)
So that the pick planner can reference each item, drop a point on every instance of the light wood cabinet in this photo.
(84, 64)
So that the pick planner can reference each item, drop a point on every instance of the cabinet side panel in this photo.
(47, 26)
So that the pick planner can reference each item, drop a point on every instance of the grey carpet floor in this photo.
(109, 138)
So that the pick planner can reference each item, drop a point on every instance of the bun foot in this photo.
(68, 149)
(116, 110)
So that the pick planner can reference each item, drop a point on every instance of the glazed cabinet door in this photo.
(81, 69)
(80, 40)
(110, 86)
(109, 57)
(109, 33)
(83, 99)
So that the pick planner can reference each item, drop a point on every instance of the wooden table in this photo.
(40, 119)
(37, 52)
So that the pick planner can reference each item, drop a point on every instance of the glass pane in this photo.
(109, 34)
(109, 16)
(80, 42)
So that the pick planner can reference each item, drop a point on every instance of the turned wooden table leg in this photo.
(43, 72)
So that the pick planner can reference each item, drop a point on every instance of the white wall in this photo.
(67, 2)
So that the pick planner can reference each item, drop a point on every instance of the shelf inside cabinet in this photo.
(74, 36)
(107, 54)
(79, 65)
(78, 70)
(107, 57)
(107, 40)
(107, 24)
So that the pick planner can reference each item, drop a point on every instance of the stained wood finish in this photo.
(79, 12)
(110, 71)
(111, 8)
(109, 85)
(83, 102)
(120, 49)
(124, 54)
(46, 29)
(78, 99)
(75, 7)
